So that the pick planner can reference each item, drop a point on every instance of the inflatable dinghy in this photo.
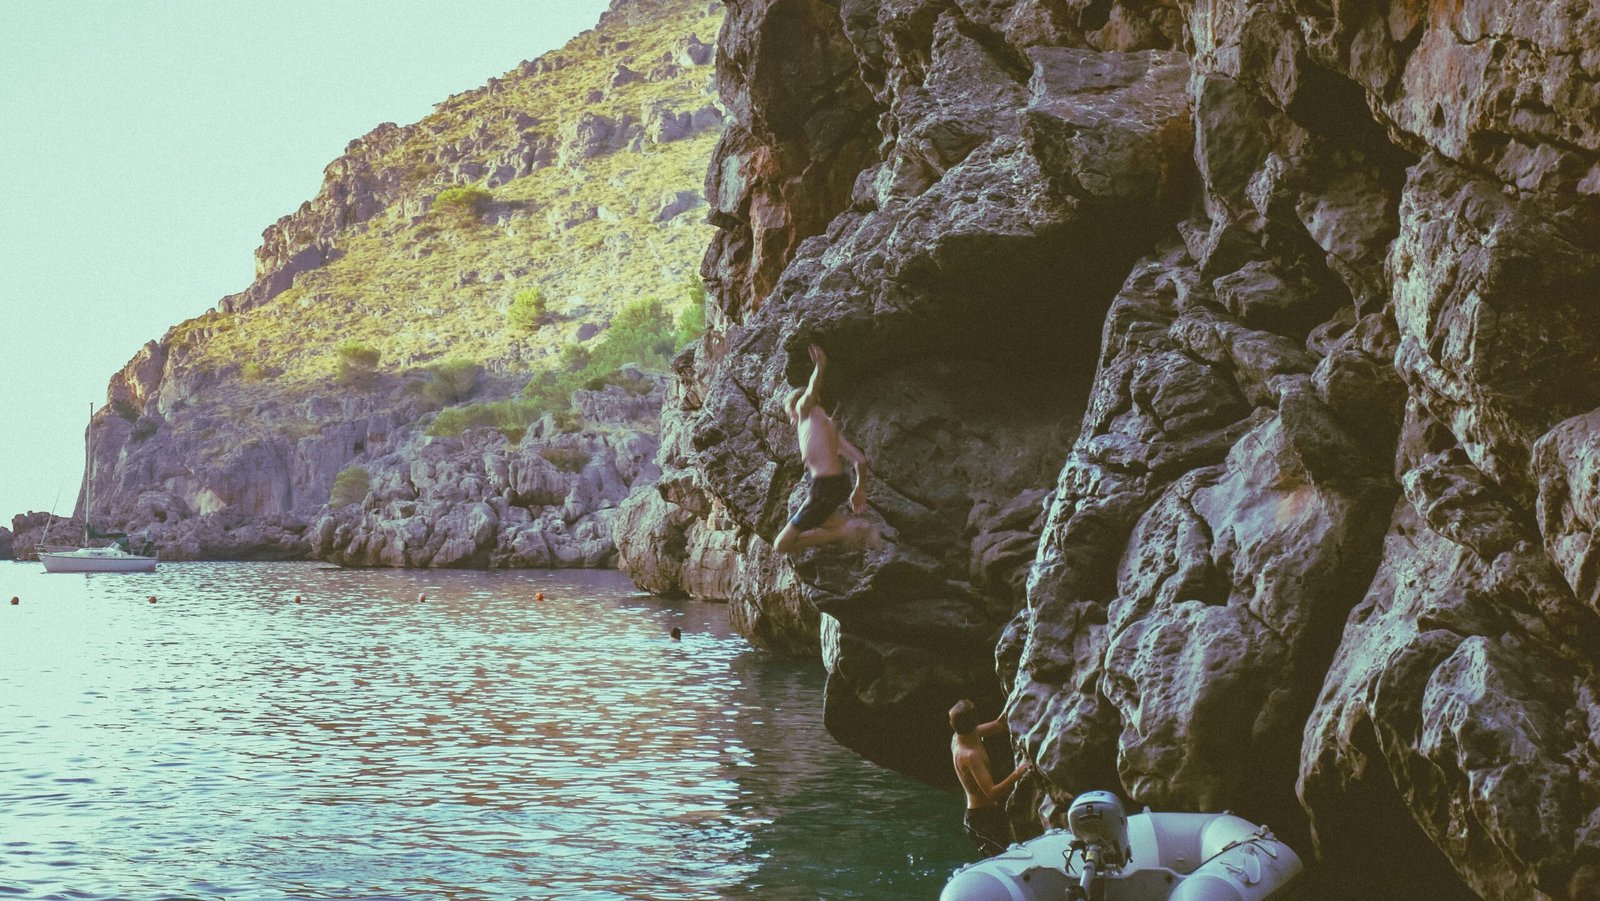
(1106, 855)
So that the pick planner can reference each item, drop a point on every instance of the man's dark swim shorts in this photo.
(988, 829)
(828, 494)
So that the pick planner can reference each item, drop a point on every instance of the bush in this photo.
(463, 203)
(356, 361)
(568, 420)
(643, 333)
(125, 409)
(451, 382)
(574, 357)
(510, 417)
(692, 321)
(528, 311)
(566, 459)
(350, 486)
(635, 385)
(252, 372)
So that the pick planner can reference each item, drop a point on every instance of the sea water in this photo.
(406, 734)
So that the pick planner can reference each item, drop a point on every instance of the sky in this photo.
(145, 145)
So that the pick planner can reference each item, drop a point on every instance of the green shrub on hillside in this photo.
(644, 333)
(510, 417)
(528, 311)
(350, 486)
(692, 321)
(357, 360)
(574, 357)
(252, 371)
(625, 380)
(450, 382)
(463, 203)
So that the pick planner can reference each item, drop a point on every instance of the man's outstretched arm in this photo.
(813, 395)
(996, 726)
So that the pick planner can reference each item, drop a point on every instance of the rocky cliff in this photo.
(406, 312)
(1228, 373)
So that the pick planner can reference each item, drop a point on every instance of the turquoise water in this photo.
(228, 742)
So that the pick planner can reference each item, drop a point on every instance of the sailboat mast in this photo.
(88, 473)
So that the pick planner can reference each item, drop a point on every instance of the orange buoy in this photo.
(15, 601)
(297, 599)
(538, 596)
(422, 597)
(152, 599)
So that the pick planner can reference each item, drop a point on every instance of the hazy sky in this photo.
(145, 144)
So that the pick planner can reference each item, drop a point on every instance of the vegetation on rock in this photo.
(350, 486)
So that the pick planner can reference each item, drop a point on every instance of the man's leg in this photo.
(834, 528)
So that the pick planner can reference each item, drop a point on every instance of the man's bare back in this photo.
(972, 768)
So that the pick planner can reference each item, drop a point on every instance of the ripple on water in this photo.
(229, 742)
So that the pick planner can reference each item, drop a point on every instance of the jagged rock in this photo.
(1317, 548)
(662, 125)
(623, 75)
(963, 171)
(691, 51)
(675, 204)
(589, 136)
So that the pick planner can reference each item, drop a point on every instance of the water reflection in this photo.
(477, 744)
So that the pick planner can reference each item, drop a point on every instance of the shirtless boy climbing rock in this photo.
(821, 448)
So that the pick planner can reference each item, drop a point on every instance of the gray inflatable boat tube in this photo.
(1174, 856)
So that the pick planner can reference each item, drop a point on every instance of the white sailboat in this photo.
(111, 559)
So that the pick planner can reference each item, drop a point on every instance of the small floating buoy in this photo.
(152, 599)
(538, 596)
(297, 599)
(15, 601)
(422, 597)
(677, 633)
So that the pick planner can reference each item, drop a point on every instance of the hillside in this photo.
(442, 267)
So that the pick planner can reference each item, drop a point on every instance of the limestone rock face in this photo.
(1228, 373)
(481, 501)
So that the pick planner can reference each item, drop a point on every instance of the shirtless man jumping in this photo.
(819, 520)
(984, 820)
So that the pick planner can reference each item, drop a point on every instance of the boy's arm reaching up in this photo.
(813, 395)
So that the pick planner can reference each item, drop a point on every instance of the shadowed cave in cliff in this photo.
(968, 408)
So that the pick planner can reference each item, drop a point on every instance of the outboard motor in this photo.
(1100, 826)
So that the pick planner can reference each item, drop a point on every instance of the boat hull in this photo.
(69, 563)
(1175, 857)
